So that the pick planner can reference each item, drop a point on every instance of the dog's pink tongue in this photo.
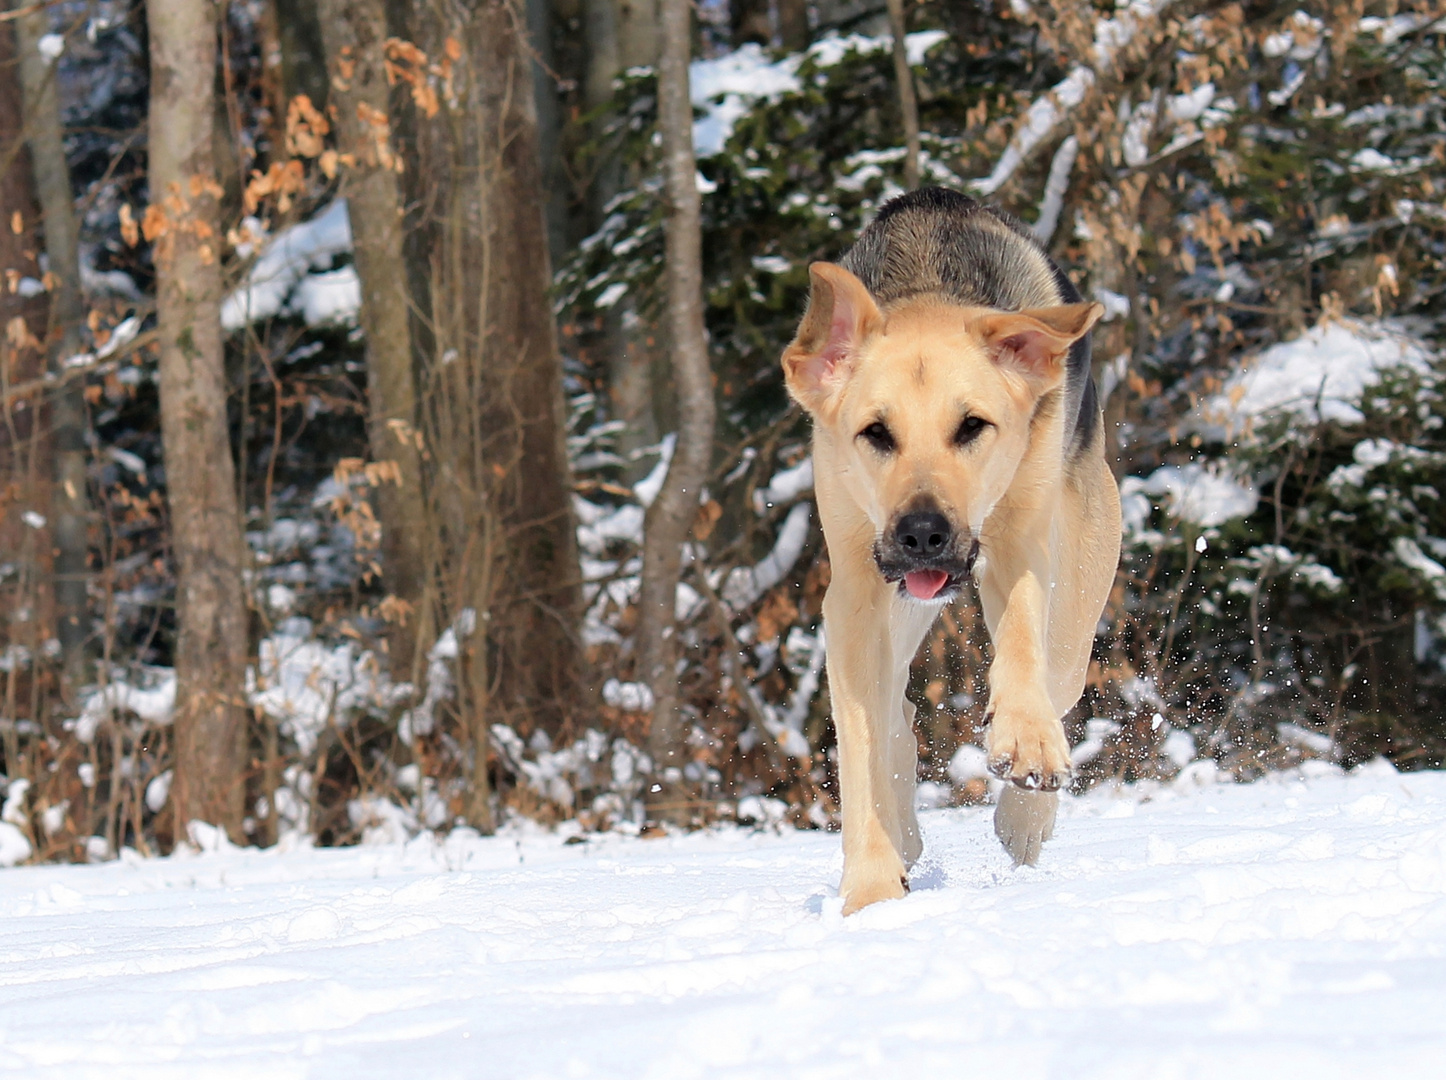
(925, 584)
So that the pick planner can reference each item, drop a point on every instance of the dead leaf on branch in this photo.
(130, 230)
(305, 128)
(17, 333)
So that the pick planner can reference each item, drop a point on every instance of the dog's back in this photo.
(937, 242)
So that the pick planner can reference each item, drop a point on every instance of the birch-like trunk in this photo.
(184, 227)
(672, 513)
(908, 103)
(356, 34)
(69, 502)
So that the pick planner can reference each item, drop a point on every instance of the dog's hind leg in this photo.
(1023, 821)
(909, 623)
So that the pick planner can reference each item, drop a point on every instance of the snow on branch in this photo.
(1054, 189)
(747, 584)
(1045, 113)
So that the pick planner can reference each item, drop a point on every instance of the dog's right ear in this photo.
(841, 314)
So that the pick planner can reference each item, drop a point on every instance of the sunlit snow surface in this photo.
(1291, 928)
(1320, 375)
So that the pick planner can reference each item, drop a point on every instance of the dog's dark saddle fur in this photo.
(938, 242)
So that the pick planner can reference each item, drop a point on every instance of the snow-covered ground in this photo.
(1295, 927)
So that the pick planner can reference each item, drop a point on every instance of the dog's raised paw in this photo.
(1023, 821)
(1034, 757)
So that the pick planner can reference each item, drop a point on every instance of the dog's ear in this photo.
(841, 314)
(1036, 341)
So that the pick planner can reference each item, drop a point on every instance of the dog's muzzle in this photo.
(926, 556)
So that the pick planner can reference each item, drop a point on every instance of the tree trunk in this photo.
(748, 21)
(356, 33)
(672, 513)
(69, 505)
(793, 29)
(549, 128)
(494, 405)
(183, 224)
(622, 35)
(25, 453)
(908, 104)
(303, 51)
(639, 39)
(604, 54)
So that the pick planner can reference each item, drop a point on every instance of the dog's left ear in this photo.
(1036, 341)
(841, 315)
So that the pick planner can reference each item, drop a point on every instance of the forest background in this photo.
(394, 437)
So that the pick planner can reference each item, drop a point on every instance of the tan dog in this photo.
(957, 433)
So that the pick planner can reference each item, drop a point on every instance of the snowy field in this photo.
(1290, 928)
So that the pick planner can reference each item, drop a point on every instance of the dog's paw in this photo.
(1023, 821)
(870, 876)
(1031, 752)
(862, 894)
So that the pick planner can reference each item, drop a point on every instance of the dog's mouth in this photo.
(934, 582)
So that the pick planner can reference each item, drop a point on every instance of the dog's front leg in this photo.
(861, 685)
(1026, 741)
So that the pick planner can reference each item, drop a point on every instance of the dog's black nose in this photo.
(923, 534)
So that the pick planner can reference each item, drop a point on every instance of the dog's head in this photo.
(925, 413)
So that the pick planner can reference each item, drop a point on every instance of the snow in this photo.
(1290, 928)
(305, 684)
(153, 703)
(746, 584)
(785, 486)
(726, 87)
(1194, 494)
(278, 282)
(329, 299)
(1320, 375)
(50, 46)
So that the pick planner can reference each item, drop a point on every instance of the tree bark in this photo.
(639, 37)
(183, 224)
(494, 407)
(748, 21)
(549, 127)
(622, 35)
(908, 103)
(69, 504)
(25, 452)
(672, 513)
(793, 29)
(356, 34)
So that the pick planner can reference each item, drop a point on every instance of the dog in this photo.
(945, 362)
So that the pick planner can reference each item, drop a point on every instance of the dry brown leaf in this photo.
(130, 231)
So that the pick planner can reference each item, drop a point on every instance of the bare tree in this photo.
(492, 402)
(672, 513)
(356, 35)
(183, 225)
(908, 103)
(69, 505)
(748, 21)
(793, 29)
(622, 34)
(25, 455)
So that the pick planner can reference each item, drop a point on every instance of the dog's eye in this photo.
(969, 429)
(879, 437)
